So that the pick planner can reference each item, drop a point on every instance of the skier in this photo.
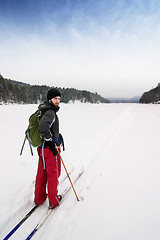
(49, 129)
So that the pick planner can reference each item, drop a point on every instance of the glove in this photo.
(58, 140)
(51, 146)
(55, 139)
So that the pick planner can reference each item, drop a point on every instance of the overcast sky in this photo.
(107, 46)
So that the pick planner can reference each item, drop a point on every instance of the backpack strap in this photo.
(23, 144)
(27, 134)
(44, 164)
(27, 138)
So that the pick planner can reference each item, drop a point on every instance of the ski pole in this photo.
(67, 174)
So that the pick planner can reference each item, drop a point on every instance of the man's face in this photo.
(55, 101)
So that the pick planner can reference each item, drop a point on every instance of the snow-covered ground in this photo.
(117, 145)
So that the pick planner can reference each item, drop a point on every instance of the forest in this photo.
(12, 91)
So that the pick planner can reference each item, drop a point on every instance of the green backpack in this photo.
(32, 134)
(32, 130)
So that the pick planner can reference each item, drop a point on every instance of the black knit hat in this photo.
(53, 92)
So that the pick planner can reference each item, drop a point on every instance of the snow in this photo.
(117, 145)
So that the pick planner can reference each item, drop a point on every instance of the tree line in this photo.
(152, 96)
(22, 93)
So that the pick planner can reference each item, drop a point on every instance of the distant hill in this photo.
(12, 91)
(124, 100)
(152, 96)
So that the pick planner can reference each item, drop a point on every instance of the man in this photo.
(49, 166)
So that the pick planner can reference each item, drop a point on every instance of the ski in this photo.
(29, 214)
(66, 176)
(20, 223)
(49, 211)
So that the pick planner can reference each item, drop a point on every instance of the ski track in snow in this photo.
(118, 147)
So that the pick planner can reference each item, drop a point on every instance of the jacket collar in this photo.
(46, 106)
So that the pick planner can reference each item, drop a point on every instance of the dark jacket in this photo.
(49, 123)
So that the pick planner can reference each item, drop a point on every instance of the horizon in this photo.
(109, 47)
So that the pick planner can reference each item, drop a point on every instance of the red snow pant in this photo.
(48, 177)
